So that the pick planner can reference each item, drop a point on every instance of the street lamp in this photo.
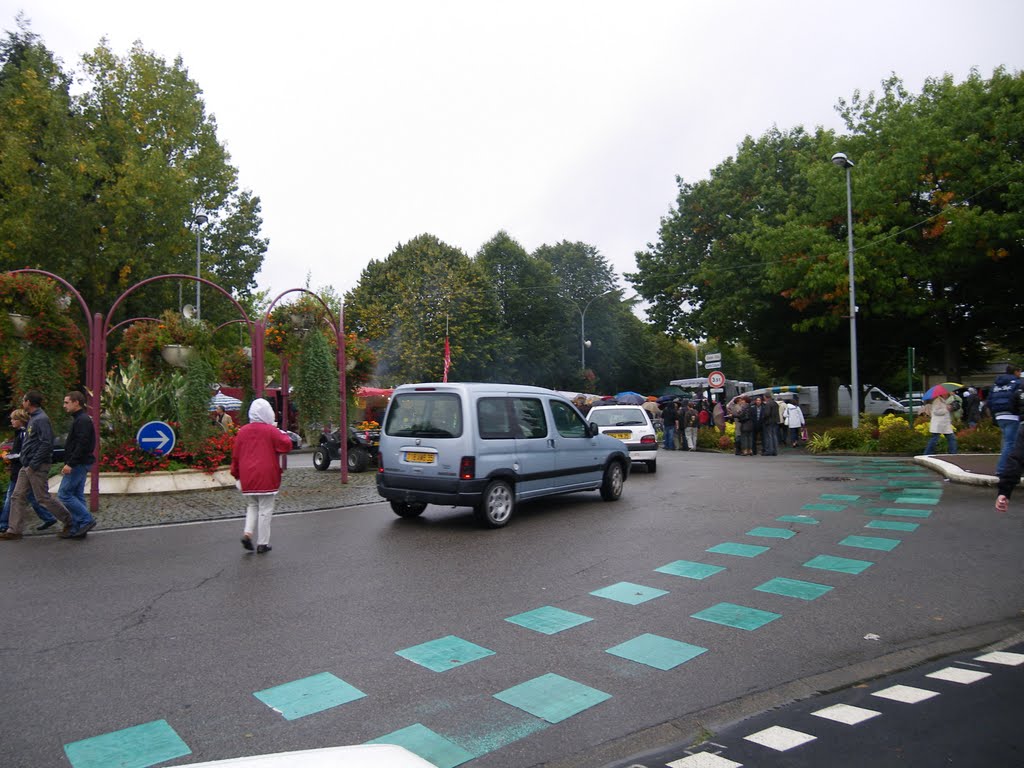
(842, 161)
(583, 332)
(200, 220)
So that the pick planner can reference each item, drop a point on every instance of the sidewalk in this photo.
(966, 468)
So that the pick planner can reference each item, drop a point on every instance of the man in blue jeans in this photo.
(1004, 403)
(79, 456)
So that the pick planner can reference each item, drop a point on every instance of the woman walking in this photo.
(256, 466)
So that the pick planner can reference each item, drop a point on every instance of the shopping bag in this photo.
(803, 434)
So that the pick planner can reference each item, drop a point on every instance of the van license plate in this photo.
(618, 435)
(419, 458)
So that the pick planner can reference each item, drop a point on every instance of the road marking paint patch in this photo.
(839, 497)
(445, 653)
(906, 694)
(771, 533)
(548, 620)
(1002, 657)
(627, 592)
(780, 739)
(870, 542)
(805, 590)
(806, 519)
(552, 697)
(896, 512)
(958, 675)
(846, 714)
(893, 525)
(431, 746)
(690, 570)
(662, 653)
(137, 747)
(739, 616)
(308, 695)
(704, 760)
(838, 564)
(824, 507)
(739, 550)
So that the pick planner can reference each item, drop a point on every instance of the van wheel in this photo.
(408, 508)
(652, 467)
(321, 459)
(611, 486)
(358, 460)
(496, 505)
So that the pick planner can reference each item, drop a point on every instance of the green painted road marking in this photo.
(871, 542)
(824, 507)
(548, 620)
(431, 746)
(739, 616)
(893, 525)
(740, 550)
(806, 519)
(690, 570)
(655, 651)
(308, 695)
(771, 533)
(805, 590)
(838, 564)
(627, 592)
(896, 512)
(552, 697)
(839, 497)
(137, 747)
(445, 653)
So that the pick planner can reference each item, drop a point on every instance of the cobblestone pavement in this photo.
(302, 489)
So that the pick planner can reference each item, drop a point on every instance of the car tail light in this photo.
(380, 462)
(467, 468)
(647, 440)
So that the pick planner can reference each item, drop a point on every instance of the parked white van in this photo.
(876, 402)
(490, 446)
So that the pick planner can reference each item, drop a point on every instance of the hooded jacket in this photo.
(254, 460)
(1001, 396)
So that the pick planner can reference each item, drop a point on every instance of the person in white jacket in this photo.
(941, 423)
(795, 421)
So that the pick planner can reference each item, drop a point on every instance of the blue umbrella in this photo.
(630, 398)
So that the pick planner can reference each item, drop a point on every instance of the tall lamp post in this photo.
(843, 161)
(583, 328)
(200, 220)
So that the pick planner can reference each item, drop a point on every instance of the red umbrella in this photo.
(937, 391)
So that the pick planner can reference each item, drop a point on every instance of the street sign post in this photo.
(716, 364)
(713, 357)
(155, 437)
(716, 379)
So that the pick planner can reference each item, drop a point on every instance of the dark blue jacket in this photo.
(1002, 394)
(37, 448)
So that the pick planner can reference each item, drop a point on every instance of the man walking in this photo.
(36, 457)
(79, 457)
(1004, 404)
(668, 421)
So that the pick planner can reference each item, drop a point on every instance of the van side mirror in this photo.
(592, 429)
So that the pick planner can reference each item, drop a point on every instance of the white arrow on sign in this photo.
(161, 441)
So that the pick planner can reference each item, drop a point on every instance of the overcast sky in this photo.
(363, 124)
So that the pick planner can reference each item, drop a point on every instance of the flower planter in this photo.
(176, 355)
(156, 482)
(19, 324)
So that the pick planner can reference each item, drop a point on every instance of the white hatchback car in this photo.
(632, 425)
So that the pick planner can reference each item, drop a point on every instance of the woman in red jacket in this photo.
(255, 464)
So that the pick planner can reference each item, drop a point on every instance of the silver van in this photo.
(490, 446)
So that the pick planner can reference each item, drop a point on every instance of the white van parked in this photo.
(876, 402)
(490, 446)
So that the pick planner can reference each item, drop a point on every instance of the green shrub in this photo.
(985, 438)
(820, 443)
(846, 439)
(900, 438)
(708, 439)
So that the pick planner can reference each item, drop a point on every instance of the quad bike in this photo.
(363, 445)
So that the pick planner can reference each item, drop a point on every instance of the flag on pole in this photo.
(447, 359)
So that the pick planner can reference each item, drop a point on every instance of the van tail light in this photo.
(380, 462)
(467, 468)
(648, 440)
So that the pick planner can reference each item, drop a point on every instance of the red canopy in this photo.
(373, 392)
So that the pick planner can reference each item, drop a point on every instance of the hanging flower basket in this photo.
(176, 355)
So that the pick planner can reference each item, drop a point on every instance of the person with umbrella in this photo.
(941, 413)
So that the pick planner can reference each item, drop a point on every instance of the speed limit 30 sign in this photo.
(716, 379)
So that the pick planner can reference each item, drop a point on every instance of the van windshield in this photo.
(424, 414)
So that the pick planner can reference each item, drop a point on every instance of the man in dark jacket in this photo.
(79, 456)
(36, 457)
(1003, 404)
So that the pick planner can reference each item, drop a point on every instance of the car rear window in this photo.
(617, 417)
(424, 414)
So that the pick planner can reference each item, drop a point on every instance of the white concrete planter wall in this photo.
(157, 482)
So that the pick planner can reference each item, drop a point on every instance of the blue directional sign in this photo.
(155, 437)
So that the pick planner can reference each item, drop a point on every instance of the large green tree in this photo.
(758, 253)
(103, 188)
(407, 303)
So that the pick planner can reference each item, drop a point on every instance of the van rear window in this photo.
(424, 414)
